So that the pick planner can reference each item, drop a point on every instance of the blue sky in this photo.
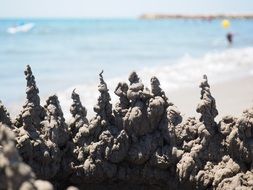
(117, 8)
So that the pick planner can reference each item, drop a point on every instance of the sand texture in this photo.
(143, 142)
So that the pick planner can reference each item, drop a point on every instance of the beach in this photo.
(71, 53)
(232, 97)
(142, 141)
(139, 95)
(126, 104)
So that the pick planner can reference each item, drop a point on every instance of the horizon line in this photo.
(63, 18)
(127, 17)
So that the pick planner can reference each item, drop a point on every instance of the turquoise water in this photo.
(66, 53)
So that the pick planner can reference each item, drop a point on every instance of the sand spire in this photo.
(32, 111)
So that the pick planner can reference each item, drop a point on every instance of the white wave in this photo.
(187, 71)
(219, 66)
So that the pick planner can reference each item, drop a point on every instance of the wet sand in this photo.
(141, 144)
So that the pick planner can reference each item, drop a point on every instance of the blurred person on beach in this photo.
(230, 37)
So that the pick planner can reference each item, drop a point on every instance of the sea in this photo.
(67, 54)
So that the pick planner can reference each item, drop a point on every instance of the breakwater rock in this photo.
(155, 16)
(141, 143)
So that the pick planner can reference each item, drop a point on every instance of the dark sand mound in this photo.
(141, 143)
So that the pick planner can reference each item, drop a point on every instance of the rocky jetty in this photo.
(155, 16)
(142, 142)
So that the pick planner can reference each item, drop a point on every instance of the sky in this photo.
(116, 8)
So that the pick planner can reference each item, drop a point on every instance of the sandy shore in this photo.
(232, 97)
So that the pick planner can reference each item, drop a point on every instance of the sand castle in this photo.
(141, 143)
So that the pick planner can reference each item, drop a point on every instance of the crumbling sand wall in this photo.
(141, 143)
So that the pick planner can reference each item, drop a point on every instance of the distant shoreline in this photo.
(196, 16)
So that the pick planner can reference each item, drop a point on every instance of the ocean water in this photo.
(68, 54)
